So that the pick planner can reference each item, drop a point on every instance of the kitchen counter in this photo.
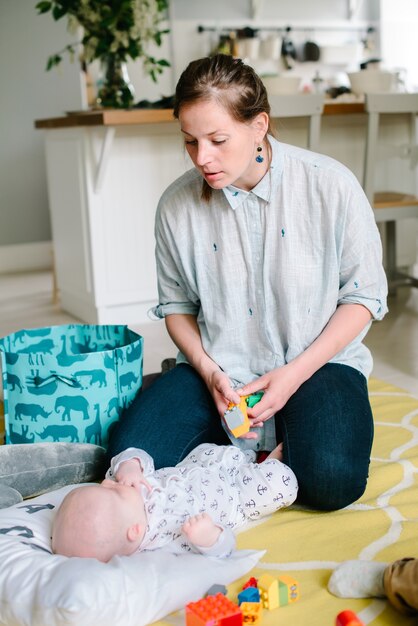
(117, 117)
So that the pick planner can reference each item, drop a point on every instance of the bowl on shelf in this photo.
(371, 81)
(282, 84)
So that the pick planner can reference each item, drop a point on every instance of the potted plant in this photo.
(112, 32)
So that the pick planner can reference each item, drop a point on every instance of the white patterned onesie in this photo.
(222, 481)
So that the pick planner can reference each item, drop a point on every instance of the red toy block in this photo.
(251, 582)
(348, 618)
(213, 611)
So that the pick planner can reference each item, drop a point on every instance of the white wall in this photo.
(27, 92)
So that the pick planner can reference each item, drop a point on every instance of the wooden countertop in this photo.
(108, 117)
(120, 117)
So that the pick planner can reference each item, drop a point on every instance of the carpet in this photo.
(381, 526)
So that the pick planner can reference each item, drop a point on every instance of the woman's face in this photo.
(222, 149)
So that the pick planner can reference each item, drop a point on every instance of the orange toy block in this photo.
(288, 590)
(215, 610)
(251, 612)
(269, 591)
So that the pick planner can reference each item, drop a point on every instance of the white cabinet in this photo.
(104, 184)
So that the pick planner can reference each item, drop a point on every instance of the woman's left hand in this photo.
(278, 386)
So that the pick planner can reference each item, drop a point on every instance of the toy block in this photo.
(348, 618)
(212, 591)
(213, 611)
(251, 613)
(251, 582)
(269, 591)
(253, 398)
(288, 590)
(250, 594)
(236, 418)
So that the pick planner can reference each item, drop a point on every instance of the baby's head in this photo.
(99, 521)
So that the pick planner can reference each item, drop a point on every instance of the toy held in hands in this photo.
(236, 417)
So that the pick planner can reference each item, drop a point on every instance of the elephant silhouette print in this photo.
(78, 404)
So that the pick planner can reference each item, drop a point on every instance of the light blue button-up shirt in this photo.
(263, 271)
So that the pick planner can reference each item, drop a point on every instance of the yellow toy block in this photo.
(269, 591)
(288, 590)
(251, 613)
(236, 418)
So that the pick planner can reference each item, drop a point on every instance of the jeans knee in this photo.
(332, 490)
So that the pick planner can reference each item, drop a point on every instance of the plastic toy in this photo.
(252, 613)
(213, 611)
(250, 594)
(269, 591)
(288, 590)
(251, 582)
(212, 591)
(236, 417)
(348, 618)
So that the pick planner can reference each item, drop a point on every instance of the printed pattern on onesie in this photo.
(223, 481)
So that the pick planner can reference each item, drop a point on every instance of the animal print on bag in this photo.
(68, 383)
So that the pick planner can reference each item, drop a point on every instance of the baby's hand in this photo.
(130, 474)
(201, 530)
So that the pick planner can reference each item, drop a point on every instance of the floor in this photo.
(26, 302)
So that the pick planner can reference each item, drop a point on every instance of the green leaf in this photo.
(43, 7)
(53, 60)
(58, 12)
(164, 63)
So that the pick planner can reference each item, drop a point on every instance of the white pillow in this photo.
(41, 588)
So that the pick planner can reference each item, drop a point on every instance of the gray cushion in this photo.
(9, 496)
(33, 469)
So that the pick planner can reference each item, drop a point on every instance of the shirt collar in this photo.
(236, 196)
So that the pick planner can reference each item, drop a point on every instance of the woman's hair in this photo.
(229, 82)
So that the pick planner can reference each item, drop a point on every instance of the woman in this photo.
(269, 274)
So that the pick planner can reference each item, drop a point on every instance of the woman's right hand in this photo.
(221, 391)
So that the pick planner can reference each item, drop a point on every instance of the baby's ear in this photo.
(135, 532)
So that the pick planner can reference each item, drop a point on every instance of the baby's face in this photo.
(123, 497)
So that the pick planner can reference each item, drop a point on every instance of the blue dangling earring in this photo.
(259, 158)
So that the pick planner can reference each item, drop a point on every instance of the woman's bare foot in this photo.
(201, 530)
(277, 453)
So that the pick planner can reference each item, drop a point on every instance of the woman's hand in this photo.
(221, 391)
(278, 386)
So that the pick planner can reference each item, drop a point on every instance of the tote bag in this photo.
(68, 383)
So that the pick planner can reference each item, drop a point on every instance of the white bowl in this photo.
(370, 81)
(282, 84)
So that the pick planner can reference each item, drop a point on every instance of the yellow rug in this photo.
(382, 526)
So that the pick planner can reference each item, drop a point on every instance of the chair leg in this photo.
(391, 256)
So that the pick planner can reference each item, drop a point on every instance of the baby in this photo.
(191, 507)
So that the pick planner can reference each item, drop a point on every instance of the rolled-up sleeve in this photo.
(362, 277)
(173, 294)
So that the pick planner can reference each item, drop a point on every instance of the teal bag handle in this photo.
(38, 381)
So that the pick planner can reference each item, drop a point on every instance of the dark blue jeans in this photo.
(326, 428)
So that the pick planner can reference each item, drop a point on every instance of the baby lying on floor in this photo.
(191, 507)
